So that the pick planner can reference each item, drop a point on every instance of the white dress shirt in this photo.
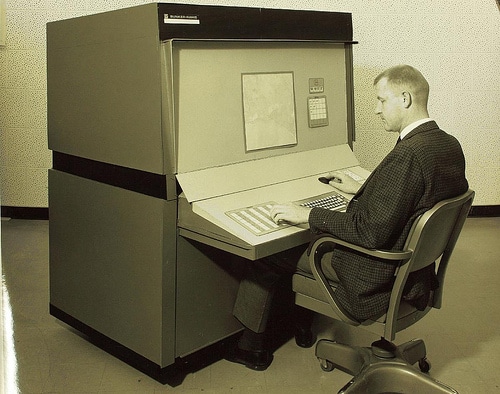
(413, 126)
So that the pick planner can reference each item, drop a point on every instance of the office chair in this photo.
(385, 367)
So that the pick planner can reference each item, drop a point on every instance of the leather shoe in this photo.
(258, 360)
(304, 337)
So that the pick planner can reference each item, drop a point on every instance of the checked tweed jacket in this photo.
(426, 167)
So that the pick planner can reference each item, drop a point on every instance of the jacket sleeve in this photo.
(376, 218)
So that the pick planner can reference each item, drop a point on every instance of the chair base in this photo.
(382, 368)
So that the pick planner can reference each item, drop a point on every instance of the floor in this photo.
(47, 356)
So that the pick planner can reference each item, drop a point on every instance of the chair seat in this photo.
(304, 284)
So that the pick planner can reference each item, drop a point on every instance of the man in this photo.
(425, 167)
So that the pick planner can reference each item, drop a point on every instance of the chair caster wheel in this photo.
(326, 365)
(424, 365)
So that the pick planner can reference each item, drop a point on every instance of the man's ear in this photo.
(407, 99)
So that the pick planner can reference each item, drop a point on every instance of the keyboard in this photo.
(332, 201)
(257, 218)
(354, 176)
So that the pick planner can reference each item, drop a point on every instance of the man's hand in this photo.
(290, 213)
(343, 182)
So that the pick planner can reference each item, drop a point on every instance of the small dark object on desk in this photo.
(327, 181)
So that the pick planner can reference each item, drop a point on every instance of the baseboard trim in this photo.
(30, 213)
(41, 213)
(485, 211)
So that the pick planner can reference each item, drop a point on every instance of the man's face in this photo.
(389, 106)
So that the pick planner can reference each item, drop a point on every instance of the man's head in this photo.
(402, 94)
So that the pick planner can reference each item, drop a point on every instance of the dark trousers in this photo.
(255, 294)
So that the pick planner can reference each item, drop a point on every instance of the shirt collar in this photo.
(413, 126)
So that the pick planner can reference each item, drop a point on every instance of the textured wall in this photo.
(455, 43)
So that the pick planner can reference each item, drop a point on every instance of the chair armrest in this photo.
(326, 243)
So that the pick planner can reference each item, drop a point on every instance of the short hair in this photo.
(407, 78)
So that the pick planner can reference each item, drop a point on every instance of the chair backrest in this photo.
(432, 239)
(437, 230)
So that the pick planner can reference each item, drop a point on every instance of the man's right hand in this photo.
(343, 182)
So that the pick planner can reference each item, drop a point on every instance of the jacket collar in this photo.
(427, 126)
